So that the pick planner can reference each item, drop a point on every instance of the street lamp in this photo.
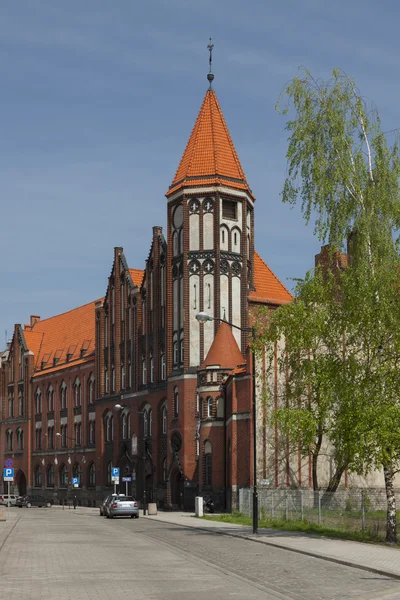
(139, 412)
(203, 317)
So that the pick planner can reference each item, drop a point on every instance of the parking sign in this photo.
(8, 474)
(115, 474)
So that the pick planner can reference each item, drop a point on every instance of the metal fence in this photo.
(350, 509)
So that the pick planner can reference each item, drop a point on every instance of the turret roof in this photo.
(210, 157)
(224, 350)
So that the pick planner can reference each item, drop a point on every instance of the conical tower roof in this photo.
(224, 350)
(210, 157)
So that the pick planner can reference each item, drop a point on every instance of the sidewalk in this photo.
(371, 557)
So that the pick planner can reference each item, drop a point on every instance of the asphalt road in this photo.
(65, 555)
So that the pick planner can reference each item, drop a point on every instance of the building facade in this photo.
(134, 380)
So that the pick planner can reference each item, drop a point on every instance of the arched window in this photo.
(50, 399)
(109, 468)
(145, 423)
(20, 439)
(175, 245)
(9, 440)
(50, 476)
(164, 470)
(175, 349)
(78, 434)
(150, 422)
(78, 392)
(164, 420)
(20, 404)
(113, 378)
(91, 388)
(92, 475)
(50, 437)
(125, 426)
(224, 238)
(38, 397)
(38, 476)
(207, 463)
(144, 370)
(182, 347)
(176, 402)
(92, 430)
(109, 427)
(10, 405)
(235, 240)
(64, 395)
(63, 431)
(38, 438)
(209, 407)
(63, 476)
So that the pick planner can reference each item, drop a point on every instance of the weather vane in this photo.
(210, 75)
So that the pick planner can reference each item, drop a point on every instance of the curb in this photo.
(338, 561)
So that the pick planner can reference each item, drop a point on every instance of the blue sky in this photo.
(98, 100)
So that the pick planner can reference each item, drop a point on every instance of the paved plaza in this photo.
(66, 554)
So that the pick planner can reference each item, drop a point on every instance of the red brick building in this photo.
(149, 388)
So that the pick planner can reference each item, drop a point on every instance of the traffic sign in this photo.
(126, 479)
(75, 481)
(8, 474)
(9, 463)
(115, 474)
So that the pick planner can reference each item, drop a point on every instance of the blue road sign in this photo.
(8, 474)
(126, 479)
(75, 481)
(8, 463)
(115, 472)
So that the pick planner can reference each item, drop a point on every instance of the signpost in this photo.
(8, 475)
(75, 482)
(115, 477)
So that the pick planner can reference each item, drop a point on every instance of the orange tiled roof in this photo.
(210, 156)
(269, 290)
(224, 350)
(68, 333)
(137, 276)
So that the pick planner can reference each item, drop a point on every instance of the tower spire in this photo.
(210, 75)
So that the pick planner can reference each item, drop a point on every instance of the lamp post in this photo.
(203, 317)
(139, 412)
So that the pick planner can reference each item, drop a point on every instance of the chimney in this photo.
(34, 319)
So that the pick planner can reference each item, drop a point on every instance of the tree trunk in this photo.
(333, 484)
(315, 456)
(391, 533)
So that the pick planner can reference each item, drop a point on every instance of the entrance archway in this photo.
(177, 489)
(21, 483)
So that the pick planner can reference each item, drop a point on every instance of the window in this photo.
(91, 389)
(109, 427)
(106, 380)
(125, 426)
(145, 424)
(38, 397)
(38, 438)
(50, 437)
(122, 377)
(229, 209)
(78, 434)
(163, 370)
(176, 402)
(63, 476)
(38, 476)
(151, 368)
(92, 475)
(220, 408)
(109, 468)
(164, 420)
(9, 440)
(20, 404)
(10, 405)
(130, 374)
(64, 395)
(144, 370)
(20, 439)
(150, 422)
(63, 431)
(164, 470)
(113, 378)
(50, 476)
(209, 407)
(50, 399)
(78, 392)
(92, 432)
(175, 350)
(181, 348)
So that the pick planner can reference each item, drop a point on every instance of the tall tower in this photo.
(210, 233)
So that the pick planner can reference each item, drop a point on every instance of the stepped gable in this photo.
(63, 339)
(210, 157)
(224, 350)
(137, 276)
(268, 288)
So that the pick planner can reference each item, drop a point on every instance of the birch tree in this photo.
(345, 175)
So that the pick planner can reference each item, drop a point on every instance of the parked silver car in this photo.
(104, 503)
(8, 497)
(121, 506)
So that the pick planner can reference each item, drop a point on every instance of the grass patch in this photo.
(299, 526)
